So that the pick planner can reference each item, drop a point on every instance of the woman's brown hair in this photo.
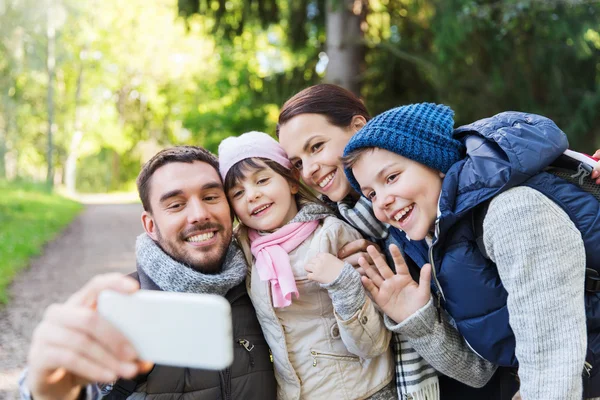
(337, 104)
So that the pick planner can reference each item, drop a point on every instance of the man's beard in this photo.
(210, 263)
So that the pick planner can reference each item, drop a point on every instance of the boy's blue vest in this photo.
(507, 150)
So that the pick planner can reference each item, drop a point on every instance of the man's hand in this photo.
(398, 295)
(73, 346)
(324, 268)
(352, 251)
(596, 171)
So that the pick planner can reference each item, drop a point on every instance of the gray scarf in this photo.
(173, 276)
(311, 212)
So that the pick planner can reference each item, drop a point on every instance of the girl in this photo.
(508, 243)
(314, 127)
(327, 338)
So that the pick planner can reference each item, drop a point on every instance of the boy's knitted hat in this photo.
(421, 132)
(248, 145)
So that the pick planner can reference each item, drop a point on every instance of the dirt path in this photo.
(100, 240)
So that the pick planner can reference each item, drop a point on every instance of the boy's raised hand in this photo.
(398, 295)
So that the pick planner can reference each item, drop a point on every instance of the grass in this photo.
(30, 216)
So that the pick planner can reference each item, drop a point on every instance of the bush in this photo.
(30, 216)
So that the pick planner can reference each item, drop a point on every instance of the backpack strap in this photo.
(592, 281)
(477, 218)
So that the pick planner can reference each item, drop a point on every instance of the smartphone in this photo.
(176, 329)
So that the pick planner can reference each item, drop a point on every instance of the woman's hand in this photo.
(398, 295)
(352, 251)
(596, 171)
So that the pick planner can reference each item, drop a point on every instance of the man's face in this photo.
(190, 217)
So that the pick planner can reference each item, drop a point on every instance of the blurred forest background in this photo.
(91, 89)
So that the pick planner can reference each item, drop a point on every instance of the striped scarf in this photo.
(359, 214)
(415, 378)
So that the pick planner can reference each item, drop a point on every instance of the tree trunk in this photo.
(344, 42)
(50, 64)
(4, 124)
(71, 164)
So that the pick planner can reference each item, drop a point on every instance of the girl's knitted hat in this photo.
(421, 132)
(248, 145)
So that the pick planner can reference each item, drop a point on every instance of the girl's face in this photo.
(404, 192)
(263, 199)
(314, 147)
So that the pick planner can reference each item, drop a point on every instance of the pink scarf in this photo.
(272, 259)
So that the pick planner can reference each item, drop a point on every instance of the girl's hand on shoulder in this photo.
(324, 268)
(398, 295)
(352, 251)
(596, 171)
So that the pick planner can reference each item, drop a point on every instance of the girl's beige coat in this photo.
(316, 354)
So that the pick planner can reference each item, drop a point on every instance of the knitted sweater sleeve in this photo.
(442, 346)
(541, 261)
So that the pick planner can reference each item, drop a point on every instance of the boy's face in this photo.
(404, 192)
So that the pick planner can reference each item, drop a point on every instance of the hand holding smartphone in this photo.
(176, 329)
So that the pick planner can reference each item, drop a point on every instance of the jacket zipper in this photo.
(249, 347)
(436, 234)
(316, 354)
(437, 283)
(226, 383)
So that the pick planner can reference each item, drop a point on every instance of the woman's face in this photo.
(314, 147)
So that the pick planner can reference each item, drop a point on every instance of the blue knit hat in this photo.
(421, 132)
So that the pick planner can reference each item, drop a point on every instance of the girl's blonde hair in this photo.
(239, 170)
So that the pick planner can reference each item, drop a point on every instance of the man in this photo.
(187, 247)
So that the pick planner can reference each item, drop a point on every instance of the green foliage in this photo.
(133, 77)
(29, 218)
(230, 19)
(483, 57)
(106, 171)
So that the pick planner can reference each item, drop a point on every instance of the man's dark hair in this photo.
(184, 154)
